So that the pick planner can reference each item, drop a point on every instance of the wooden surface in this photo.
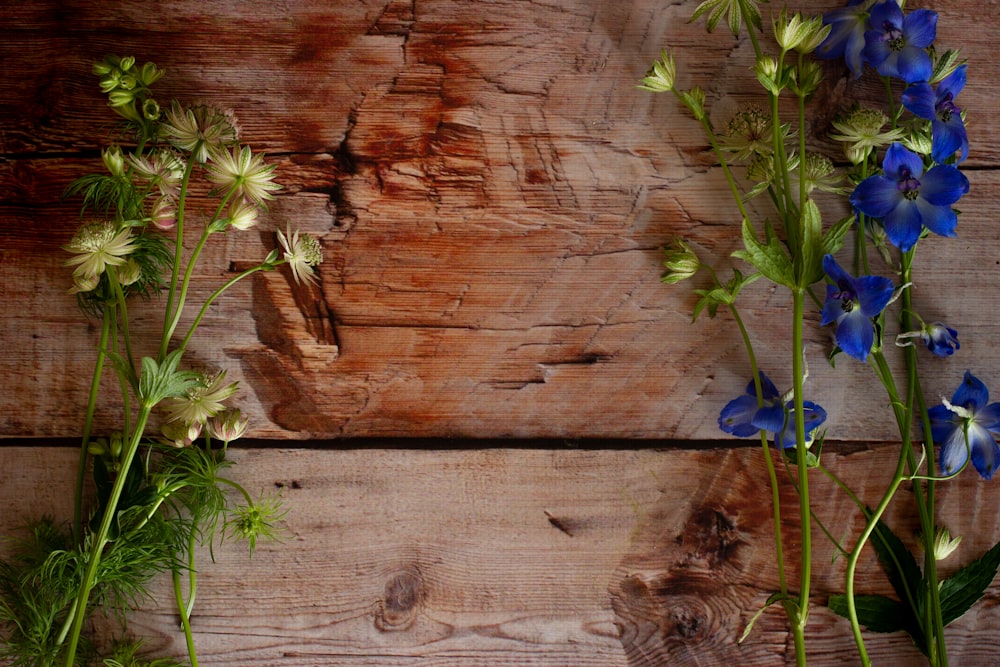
(492, 194)
(590, 558)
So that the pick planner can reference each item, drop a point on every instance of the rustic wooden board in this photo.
(492, 193)
(526, 557)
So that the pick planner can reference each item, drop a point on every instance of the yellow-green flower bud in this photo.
(807, 78)
(150, 109)
(681, 262)
(660, 77)
(944, 544)
(767, 72)
(115, 445)
(130, 272)
(114, 161)
(97, 447)
(126, 63)
(694, 99)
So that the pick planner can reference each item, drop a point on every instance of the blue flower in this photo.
(852, 303)
(940, 339)
(947, 127)
(967, 425)
(908, 200)
(743, 418)
(847, 35)
(895, 45)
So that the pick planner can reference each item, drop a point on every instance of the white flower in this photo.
(97, 246)
(242, 172)
(242, 214)
(201, 402)
(162, 169)
(302, 253)
(228, 426)
(199, 129)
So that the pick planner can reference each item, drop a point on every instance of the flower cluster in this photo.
(904, 181)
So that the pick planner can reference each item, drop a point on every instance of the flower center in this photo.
(945, 109)
(908, 185)
(893, 35)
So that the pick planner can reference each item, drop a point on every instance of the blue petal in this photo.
(736, 416)
(899, 159)
(943, 421)
(985, 455)
(952, 84)
(943, 185)
(833, 308)
(949, 137)
(855, 335)
(903, 224)
(920, 28)
(954, 451)
(876, 50)
(939, 219)
(874, 294)
(767, 387)
(911, 64)
(770, 418)
(919, 100)
(814, 415)
(886, 12)
(989, 417)
(941, 340)
(876, 196)
(972, 393)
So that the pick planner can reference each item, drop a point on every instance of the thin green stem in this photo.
(185, 619)
(101, 538)
(88, 423)
(216, 294)
(175, 271)
(798, 379)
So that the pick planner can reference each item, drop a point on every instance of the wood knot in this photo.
(400, 603)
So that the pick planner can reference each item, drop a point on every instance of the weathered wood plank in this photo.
(492, 193)
(527, 557)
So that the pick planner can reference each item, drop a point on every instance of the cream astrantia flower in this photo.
(200, 129)
(242, 172)
(162, 169)
(301, 254)
(97, 246)
(242, 214)
(861, 131)
(228, 425)
(203, 401)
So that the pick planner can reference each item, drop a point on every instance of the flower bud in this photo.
(944, 544)
(242, 214)
(228, 425)
(114, 161)
(807, 78)
(84, 282)
(179, 434)
(918, 142)
(97, 447)
(126, 63)
(660, 77)
(163, 214)
(115, 443)
(694, 99)
(681, 262)
(767, 72)
(130, 272)
(150, 109)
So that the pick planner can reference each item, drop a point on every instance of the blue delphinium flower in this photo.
(847, 35)
(743, 418)
(939, 338)
(852, 303)
(947, 127)
(967, 425)
(907, 199)
(896, 45)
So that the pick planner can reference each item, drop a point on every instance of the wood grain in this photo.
(527, 557)
(492, 193)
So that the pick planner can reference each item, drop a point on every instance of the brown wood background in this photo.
(492, 193)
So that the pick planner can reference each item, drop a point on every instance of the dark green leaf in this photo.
(769, 257)
(875, 612)
(834, 237)
(964, 589)
(810, 264)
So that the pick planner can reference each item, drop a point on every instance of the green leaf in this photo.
(160, 381)
(811, 258)
(769, 257)
(737, 11)
(875, 612)
(899, 565)
(774, 597)
(124, 369)
(835, 236)
(964, 589)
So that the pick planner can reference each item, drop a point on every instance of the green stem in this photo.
(798, 379)
(217, 293)
(178, 251)
(88, 423)
(101, 538)
(185, 619)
